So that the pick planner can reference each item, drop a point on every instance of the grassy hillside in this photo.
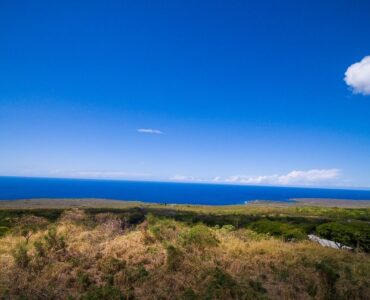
(162, 252)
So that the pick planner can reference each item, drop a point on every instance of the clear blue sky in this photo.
(218, 91)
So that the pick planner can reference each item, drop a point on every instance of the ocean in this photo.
(12, 188)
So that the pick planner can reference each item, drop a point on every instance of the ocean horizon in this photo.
(13, 188)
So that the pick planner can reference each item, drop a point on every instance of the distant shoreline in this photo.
(63, 203)
(97, 179)
(156, 192)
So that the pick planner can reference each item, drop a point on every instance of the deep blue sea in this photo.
(161, 192)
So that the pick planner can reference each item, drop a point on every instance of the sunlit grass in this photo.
(107, 255)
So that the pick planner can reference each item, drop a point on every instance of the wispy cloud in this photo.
(309, 177)
(150, 131)
(357, 76)
(182, 178)
(108, 174)
(98, 174)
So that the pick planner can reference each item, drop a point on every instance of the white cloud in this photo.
(314, 176)
(150, 130)
(182, 178)
(357, 76)
(97, 174)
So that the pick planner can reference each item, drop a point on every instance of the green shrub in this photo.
(163, 229)
(83, 280)
(174, 258)
(111, 265)
(20, 255)
(330, 277)
(3, 230)
(106, 292)
(27, 225)
(250, 235)
(267, 226)
(54, 241)
(257, 286)
(41, 257)
(312, 289)
(135, 274)
(189, 294)
(199, 236)
(294, 234)
(228, 228)
(287, 231)
(222, 285)
(40, 250)
(353, 234)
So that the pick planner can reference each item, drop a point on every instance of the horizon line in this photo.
(192, 182)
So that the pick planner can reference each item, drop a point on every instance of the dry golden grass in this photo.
(164, 259)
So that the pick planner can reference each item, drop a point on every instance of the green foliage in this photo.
(162, 229)
(287, 231)
(228, 228)
(294, 234)
(106, 292)
(362, 214)
(9, 218)
(250, 235)
(330, 276)
(111, 265)
(199, 236)
(3, 230)
(136, 274)
(222, 286)
(83, 280)
(40, 250)
(353, 234)
(257, 286)
(312, 289)
(27, 225)
(189, 294)
(129, 216)
(174, 258)
(267, 226)
(20, 255)
(54, 241)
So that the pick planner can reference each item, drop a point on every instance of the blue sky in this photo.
(249, 92)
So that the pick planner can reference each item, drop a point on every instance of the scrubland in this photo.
(183, 253)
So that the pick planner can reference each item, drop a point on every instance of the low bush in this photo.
(248, 235)
(228, 228)
(286, 231)
(106, 292)
(27, 225)
(83, 280)
(20, 255)
(54, 241)
(330, 276)
(132, 275)
(222, 286)
(111, 265)
(199, 236)
(294, 234)
(163, 229)
(3, 230)
(174, 258)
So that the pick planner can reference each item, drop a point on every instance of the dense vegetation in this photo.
(162, 252)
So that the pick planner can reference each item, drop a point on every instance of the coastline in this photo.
(63, 203)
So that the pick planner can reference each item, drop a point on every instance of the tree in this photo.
(27, 225)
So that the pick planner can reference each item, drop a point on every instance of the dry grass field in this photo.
(80, 253)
